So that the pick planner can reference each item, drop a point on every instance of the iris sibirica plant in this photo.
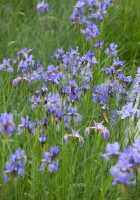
(14, 167)
(7, 126)
(88, 14)
(127, 161)
(74, 135)
(98, 127)
(6, 65)
(43, 7)
(51, 159)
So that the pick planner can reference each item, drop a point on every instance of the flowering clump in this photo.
(51, 158)
(91, 31)
(28, 70)
(128, 160)
(6, 65)
(74, 135)
(126, 111)
(35, 101)
(42, 7)
(72, 115)
(53, 74)
(53, 102)
(100, 128)
(112, 150)
(65, 85)
(7, 125)
(27, 125)
(112, 50)
(99, 45)
(15, 165)
(87, 11)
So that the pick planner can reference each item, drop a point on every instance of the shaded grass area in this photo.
(21, 27)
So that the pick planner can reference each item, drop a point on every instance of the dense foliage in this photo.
(70, 86)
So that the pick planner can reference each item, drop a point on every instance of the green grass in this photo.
(83, 173)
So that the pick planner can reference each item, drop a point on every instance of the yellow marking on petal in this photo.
(1, 126)
(10, 124)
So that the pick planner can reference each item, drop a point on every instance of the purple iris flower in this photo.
(54, 150)
(117, 62)
(105, 70)
(123, 78)
(6, 65)
(26, 64)
(85, 87)
(128, 79)
(37, 92)
(15, 165)
(100, 94)
(58, 54)
(120, 176)
(112, 50)
(87, 131)
(53, 102)
(112, 70)
(72, 114)
(27, 125)
(107, 2)
(77, 16)
(35, 101)
(101, 12)
(58, 115)
(125, 161)
(102, 129)
(42, 7)
(75, 95)
(53, 166)
(42, 123)
(7, 126)
(121, 75)
(42, 139)
(67, 119)
(44, 88)
(75, 134)
(51, 158)
(47, 157)
(138, 71)
(128, 160)
(112, 150)
(86, 74)
(136, 151)
(99, 45)
(92, 4)
(91, 31)
(126, 111)
(123, 171)
(80, 4)
(16, 81)
(19, 79)
(72, 110)
(121, 92)
(33, 77)
(24, 52)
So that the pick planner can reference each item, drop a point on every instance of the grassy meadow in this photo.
(82, 173)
